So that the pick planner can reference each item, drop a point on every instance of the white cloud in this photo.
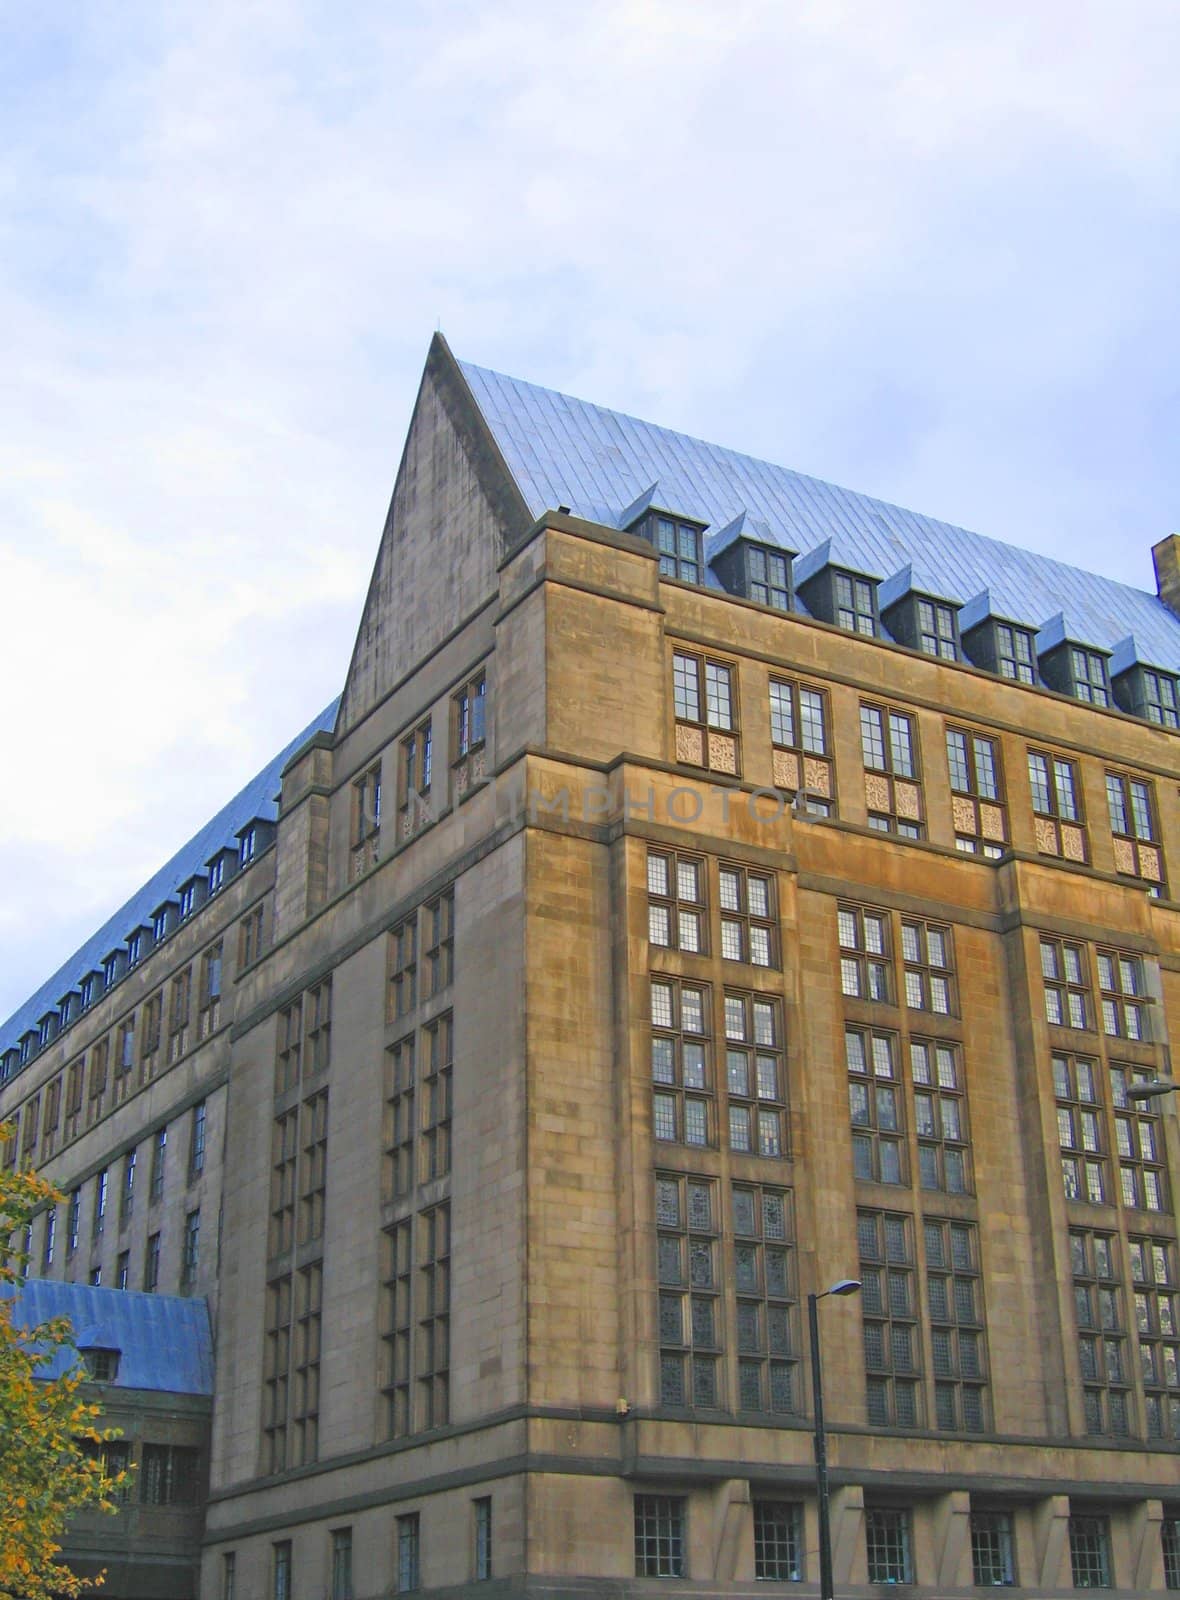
(926, 250)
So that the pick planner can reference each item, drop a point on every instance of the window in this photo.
(679, 545)
(434, 1320)
(305, 1391)
(865, 964)
(763, 1277)
(248, 848)
(188, 901)
(342, 1564)
(398, 1329)
(134, 953)
(1102, 1344)
(229, 1563)
(1158, 698)
(937, 632)
(313, 1166)
(111, 974)
(209, 1001)
(1139, 1142)
(317, 1014)
(86, 992)
(954, 1295)
(754, 1079)
(281, 1570)
(102, 1366)
(123, 1270)
(160, 928)
(676, 916)
(438, 944)
(1065, 969)
(482, 1511)
(1157, 1328)
(416, 773)
(778, 1542)
(216, 876)
(1087, 671)
(1015, 655)
(767, 577)
(192, 1245)
(149, 1039)
(893, 793)
(284, 1156)
(1079, 1128)
(159, 1157)
(874, 1097)
(887, 1545)
(98, 1081)
(94, 1277)
(977, 800)
(940, 1117)
(855, 603)
(1057, 806)
(277, 1374)
(659, 1536)
(471, 715)
(127, 1192)
(799, 734)
(1170, 1535)
(403, 968)
(196, 1154)
(125, 1055)
(400, 1125)
(992, 1560)
(890, 1321)
(926, 952)
(168, 1475)
(681, 1094)
(366, 819)
(436, 1099)
(1089, 1551)
(408, 1573)
(50, 1240)
(102, 1185)
(1122, 995)
(1131, 804)
(178, 1014)
(289, 1057)
(687, 1243)
(748, 921)
(706, 713)
(51, 1119)
(151, 1269)
(250, 937)
(73, 1220)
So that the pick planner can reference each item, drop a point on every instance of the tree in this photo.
(49, 1464)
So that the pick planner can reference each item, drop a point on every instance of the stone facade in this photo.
(492, 1307)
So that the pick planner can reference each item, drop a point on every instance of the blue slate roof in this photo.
(164, 1341)
(563, 451)
(258, 800)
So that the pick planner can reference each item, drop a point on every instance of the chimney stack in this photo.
(1166, 559)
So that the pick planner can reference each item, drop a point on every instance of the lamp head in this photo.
(844, 1286)
(1151, 1091)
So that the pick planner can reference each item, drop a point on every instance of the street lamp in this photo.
(1150, 1091)
(842, 1286)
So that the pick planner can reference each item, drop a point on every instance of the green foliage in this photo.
(49, 1464)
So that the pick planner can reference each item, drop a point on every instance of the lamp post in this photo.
(843, 1286)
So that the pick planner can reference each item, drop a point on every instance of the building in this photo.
(150, 1359)
(710, 884)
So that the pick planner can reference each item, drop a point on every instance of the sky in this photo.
(930, 252)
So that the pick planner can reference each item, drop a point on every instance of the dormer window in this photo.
(856, 607)
(134, 949)
(102, 1366)
(924, 623)
(110, 971)
(1015, 656)
(216, 875)
(248, 846)
(66, 1010)
(1151, 694)
(44, 1032)
(768, 577)
(26, 1048)
(87, 991)
(188, 900)
(678, 542)
(1077, 670)
(160, 925)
